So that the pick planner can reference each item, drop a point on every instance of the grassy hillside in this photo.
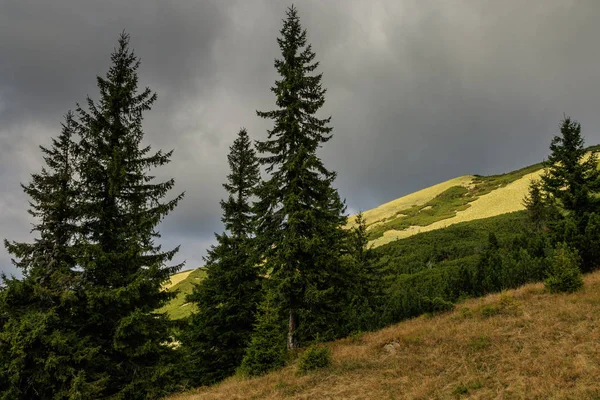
(176, 278)
(178, 307)
(520, 344)
(481, 197)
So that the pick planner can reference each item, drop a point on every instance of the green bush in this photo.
(437, 305)
(564, 274)
(315, 357)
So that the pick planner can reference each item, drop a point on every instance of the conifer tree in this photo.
(300, 214)
(122, 266)
(488, 268)
(42, 355)
(266, 350)
(365, 280)
(220, 330)
(536, 205)
(573, 182)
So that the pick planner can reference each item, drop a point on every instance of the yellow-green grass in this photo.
(390, 209)
(178, 308)
(176, 278)
(503, 200)
(519, 344)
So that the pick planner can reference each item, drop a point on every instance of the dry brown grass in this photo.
(521, 344)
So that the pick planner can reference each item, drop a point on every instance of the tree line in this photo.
(285, 273)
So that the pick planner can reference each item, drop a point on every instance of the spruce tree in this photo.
(536, 205)
(220, 330)
(573, 182)
(266, 350)
(42, 354)
(365, 281)
(122, 266)
(488, 269)
(300, 214)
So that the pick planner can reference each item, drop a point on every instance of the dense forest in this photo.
(285, 274)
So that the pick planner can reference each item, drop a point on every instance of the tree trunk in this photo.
(291, 344)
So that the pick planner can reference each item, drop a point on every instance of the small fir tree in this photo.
(266, 350)
(536, 205)
(564, 274)
(227, 299)
(365, 280)
(488, 268)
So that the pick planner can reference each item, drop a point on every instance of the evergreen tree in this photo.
(488, 268)
(122, 266)
(359, 240)
(536, 205)
(573, 181)
(42, 354)
(227, 299)
(266, 350)
(300, 214)
(365, 279)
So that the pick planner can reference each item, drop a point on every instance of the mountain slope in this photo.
(462, 199)
(521, 343)
(178, 308)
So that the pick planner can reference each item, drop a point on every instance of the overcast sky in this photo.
(419, 91)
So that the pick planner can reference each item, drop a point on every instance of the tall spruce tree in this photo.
(300, 214)
(227, 299)
(122, 266)
(572, 180)
(42, 354)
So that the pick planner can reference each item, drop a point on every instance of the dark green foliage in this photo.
(573, 182)
(488, 270)
(122, 267)
(42, 354)
(364, 282)
(267, 349)
(457, 243)
(537, 205)
(441, 267)
(315, 357)
(436, 305)
(220, 330)
(564, 274)
(300, 214)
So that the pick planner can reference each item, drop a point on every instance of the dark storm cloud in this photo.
(419, 91)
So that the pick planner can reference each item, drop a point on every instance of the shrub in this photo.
(315, 357)
(564, 274)
(437, 305)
